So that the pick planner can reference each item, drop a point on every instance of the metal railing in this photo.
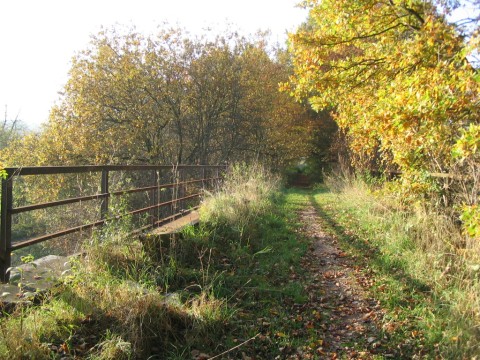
(195, 178)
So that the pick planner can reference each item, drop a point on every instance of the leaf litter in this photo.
(344, 318)
(336, 320)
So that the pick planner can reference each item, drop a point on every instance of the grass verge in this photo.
(423, 271)
(229, 282)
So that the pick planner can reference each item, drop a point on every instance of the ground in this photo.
(336, 318)
(347, 316)
(298, 293)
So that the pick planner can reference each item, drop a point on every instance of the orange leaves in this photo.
(399, 91)
(170, 98)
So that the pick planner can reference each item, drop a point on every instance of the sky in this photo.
(38, 38)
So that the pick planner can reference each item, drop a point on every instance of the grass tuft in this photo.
(247, 194)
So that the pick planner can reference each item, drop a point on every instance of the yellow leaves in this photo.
(172, 99)
(468, 144)
(403, 90)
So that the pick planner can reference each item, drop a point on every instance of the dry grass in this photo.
(112, 295)
(246, 193)
(135, 305)
(430, 247)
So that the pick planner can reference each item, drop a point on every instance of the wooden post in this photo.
(104, 190)
(6, 228)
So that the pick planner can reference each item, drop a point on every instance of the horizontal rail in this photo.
(156, 206)
(185, 174)
(174, 216)
(165, 220)
(53, 170)
(451, 176)
(25, 243)
(432, 174)
(163, 186)
(21, 244)
(22, 209)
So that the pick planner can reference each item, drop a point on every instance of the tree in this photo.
(395, 73)
(10, 130)
(171, 98)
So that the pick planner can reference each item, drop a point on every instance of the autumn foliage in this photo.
(396, 75)
(171, 98)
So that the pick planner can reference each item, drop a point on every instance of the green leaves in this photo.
(468, 145)
(471, 220)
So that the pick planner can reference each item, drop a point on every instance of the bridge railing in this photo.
(168, 191)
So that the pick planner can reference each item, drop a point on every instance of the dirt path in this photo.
(348, 319)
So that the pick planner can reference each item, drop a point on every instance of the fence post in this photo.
(6, 228)
(181, 191)
(104, 190)
(155, 199)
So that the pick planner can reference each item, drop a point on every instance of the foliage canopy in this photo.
(396, 75)
(171, 98)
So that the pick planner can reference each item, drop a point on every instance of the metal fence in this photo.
(169, 192)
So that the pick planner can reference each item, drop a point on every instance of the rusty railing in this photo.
(185, 182)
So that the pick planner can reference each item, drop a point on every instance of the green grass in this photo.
(213, 288)
(238, 279)
(419, 274)
(253, 269)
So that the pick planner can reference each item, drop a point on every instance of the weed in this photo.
(111, 348)
(246, 194)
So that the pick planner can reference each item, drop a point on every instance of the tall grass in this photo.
(248, 192)
(111, 306)
(124, 301)
(422, 254)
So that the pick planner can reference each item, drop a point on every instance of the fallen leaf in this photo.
(64, 348)
(390, 327)
(309, 325)
(195, 353)
(368, 315)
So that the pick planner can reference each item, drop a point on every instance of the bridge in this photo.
(52, 209)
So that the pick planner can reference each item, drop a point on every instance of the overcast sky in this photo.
(39, 37)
